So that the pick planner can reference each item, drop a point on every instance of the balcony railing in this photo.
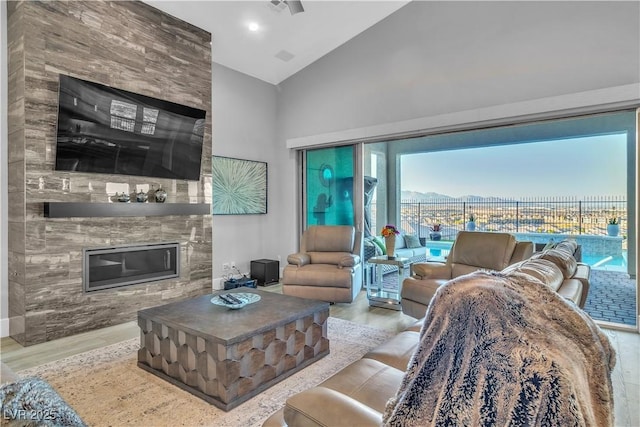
(558, 215)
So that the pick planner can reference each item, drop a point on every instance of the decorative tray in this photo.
(245, 298)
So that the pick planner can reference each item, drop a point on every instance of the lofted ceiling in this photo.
(284, 43)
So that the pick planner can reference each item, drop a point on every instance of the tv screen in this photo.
(107, 130)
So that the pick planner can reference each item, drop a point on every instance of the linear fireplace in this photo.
(113, 267)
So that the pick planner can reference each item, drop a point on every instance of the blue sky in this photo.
(593, 166)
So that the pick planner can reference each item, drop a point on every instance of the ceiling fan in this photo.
(295, 6)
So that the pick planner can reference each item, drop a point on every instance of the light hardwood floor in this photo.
(626, 375)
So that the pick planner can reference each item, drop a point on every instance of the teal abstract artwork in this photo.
(239, 186)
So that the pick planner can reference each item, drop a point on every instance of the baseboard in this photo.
(4, 328)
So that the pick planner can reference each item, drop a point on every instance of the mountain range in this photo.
(431, 196)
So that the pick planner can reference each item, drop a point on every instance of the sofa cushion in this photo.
(400, 244)
(380, 244)
(431, 270)
(412, 241)
(583, 271)
(319, 275)
(397, 351)
(543, 270)
(571, 289)
(561, 258)
(368, 381)
(569, 246)
(419, 291)
(412, 253)
(458, 270)
(320, 407)
(329, 238)
(485, 250)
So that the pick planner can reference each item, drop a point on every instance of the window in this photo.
(123, 115)
(149, 119)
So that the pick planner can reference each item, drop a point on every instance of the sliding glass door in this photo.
(328, 186)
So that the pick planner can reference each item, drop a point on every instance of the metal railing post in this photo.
(419, 219)
(579, 216)
(464, 214)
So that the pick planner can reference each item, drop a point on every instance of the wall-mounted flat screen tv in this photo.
(112, 131)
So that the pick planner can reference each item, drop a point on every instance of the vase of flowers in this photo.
(613, 227)
(389, 232)
(471, 225)
(436, 233)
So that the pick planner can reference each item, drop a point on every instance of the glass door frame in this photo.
(357, 190)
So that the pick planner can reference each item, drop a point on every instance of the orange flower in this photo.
(389, 230)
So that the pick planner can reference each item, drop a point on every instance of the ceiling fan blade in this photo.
(295, 6)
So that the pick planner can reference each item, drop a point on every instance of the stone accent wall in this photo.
(128, 45)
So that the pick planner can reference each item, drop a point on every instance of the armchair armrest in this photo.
(299, 259)
(431, 270)
(349, 261)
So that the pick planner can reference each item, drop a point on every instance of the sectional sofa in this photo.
(494, 347)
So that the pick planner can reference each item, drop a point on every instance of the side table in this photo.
(387, 297)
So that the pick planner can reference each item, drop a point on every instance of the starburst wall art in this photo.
(239, 186)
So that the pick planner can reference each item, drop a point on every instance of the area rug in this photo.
(106, 388)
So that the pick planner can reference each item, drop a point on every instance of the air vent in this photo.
(285, 56)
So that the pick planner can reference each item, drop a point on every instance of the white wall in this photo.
(435, 58)
(244, 126)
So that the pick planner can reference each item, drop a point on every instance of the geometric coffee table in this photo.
(227, 356)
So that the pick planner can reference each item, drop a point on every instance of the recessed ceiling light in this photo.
(253, 26)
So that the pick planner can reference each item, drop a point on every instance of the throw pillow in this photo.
(378, 241)
(564, 261)
(370, 249)
(569, 246)
(412, 241)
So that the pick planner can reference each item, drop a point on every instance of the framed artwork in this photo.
(239, 186)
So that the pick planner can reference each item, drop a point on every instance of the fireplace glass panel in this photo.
(120, 266)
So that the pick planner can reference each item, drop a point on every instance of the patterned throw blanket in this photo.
(505, 350)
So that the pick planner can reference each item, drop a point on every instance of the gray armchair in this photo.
(328, 265)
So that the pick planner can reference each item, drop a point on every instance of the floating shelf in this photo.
(84, 210)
